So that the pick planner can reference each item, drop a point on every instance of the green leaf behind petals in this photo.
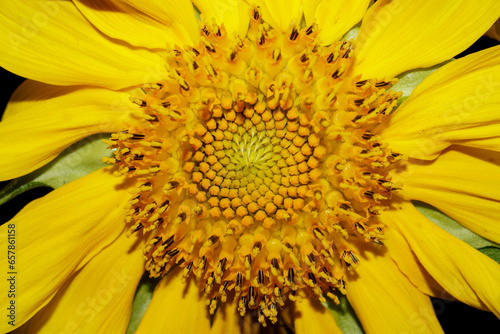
(351, 34)
(142, 298)
(344, 315)
(411, 79)
(493, 252)
(76, 161)
(452, 227)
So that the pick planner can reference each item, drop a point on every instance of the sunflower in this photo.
(264, 162)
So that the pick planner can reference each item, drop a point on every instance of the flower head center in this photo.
(256, 163)
(253, 151)
(253, 163)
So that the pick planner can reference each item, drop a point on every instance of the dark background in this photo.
(454, 317)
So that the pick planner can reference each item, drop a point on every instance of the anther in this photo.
(361, 83)
(239, 281)
(261, 277)
(167, 243)
(172, 253)
(213, 239)
(256, 13)
(329, 59)
(171, 185)
(291, 275)
(252, 296)
(137, 136)
(311, 29)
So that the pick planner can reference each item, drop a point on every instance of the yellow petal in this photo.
(457, 104)
(384, 299)
(309, 9)
(227, 319)
(399, 250)
(311, 317)
(334, 18)
(280, 14)
(128, 24)
(177, 15)
(98, 299)
(43, 120)
(176, 308)
(467, 274)
(492, 143)
(58, 234)
(463, 183)
(52, 42)
(397, 36)
(234, 14)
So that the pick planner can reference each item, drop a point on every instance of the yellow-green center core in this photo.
(256, 164)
